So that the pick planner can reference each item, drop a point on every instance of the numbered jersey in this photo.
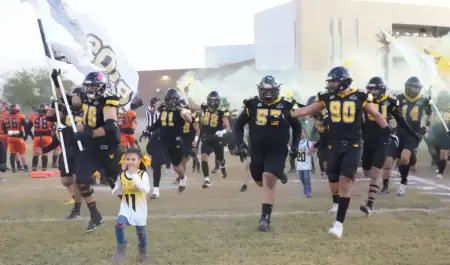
(268, 121)
(412, 110)
(188, 128)
(127, 122)
(93, 118)
(345, 114)
(385, 105)
(213, 119)
(172, 124)
(42, 126)
(68, 133)
(134, 201)
(304, 161)
(14, 124)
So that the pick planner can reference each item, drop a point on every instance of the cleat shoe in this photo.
(336, 230)
(73, 214)
(224, 172)
(334, 208)
(401, 190)
(182, 184)
(384, 190)
(264, 225)
(244, 188)
(206, 184)
(143, 256)
(366, 209)
(93, 225)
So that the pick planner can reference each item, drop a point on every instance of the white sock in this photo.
(207, 179)
(156, 190)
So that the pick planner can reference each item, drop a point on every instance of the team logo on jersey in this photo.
(279, 106)
(353, 97)
(259, 104)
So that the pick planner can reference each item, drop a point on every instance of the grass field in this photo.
(218, 226)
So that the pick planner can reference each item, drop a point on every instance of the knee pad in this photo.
(256, 171)
(86, 190)
(333, 178)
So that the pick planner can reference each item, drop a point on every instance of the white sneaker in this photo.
(334, 208)
(337, 229)
(401, 190)
(439, 176)
(436, 171)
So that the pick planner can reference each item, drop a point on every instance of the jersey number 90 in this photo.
(342, 111)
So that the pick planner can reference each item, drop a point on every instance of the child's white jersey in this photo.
(135, 188)
(304, 161)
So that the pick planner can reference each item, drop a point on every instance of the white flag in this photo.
(78, 40)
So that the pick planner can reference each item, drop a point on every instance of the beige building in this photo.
(330, 30)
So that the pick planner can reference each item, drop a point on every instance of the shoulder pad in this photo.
(112, 101)
(393, 100)
(362, 90)
(290, 100)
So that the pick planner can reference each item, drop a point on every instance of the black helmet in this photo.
(377, 87)
(413, 86)
(95, 83)
(42, 108)
(268, 89)
(172, 98)
(339, 78)
(213, 100)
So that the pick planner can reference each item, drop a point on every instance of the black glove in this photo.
(55, 74)
(293, 154)
(242, 152)
(423, 130)
(87, 133)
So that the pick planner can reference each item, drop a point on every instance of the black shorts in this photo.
(93, 159)
(187, 146)
(407, 142)
(374, 154)
(213, 145)
(71, 163)
(264, 159)
(343, 160)
(174, 146)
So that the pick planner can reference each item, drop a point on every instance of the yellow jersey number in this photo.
(342, 111)
(413, 113)
(90, 115)
(211, 119)
(262, 114)
(382, 110)
(77, 120)
(167, 119)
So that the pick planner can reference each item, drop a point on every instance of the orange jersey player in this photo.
(43, 133)
(16, 127)
(127, 123)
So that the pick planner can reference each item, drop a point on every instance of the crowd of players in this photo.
(354, 128)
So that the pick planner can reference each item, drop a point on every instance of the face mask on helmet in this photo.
(172, 99)
(213, 102)
(412, 90)
(334, 85)
(268, 94)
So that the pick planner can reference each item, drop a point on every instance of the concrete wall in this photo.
(275, 39)
(217, 56)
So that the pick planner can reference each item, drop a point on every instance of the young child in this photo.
(304, 163)
(133, 185)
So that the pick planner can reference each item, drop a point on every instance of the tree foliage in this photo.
(29, 87)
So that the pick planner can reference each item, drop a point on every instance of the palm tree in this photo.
(385, 50)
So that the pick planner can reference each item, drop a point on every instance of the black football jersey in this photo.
(93, 118)
(345, 114)
(172, 123)
(412, 110)
(212, 120)
(385, 105)
(268, 123)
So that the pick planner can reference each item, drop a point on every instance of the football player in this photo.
(345, 107)
(100, 135)
(43, 131)
(412, 106)
(215, 127)
(268, 118)
(376, 149)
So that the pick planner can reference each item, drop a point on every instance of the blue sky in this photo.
(172, 37)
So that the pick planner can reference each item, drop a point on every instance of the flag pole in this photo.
(47, 50)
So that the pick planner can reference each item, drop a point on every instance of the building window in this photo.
(426, 31)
